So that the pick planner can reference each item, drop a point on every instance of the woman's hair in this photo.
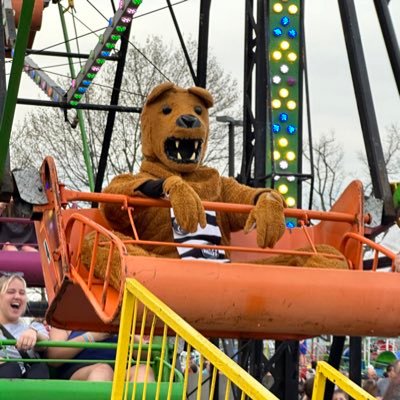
(5, 281)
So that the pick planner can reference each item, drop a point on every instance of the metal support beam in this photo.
(335, 356)
(248, 117)
(48, 53)
(111, 114)
(14, 81)
(231, 140)
(261, 122)
(355, 360)
(202, 48)
(112, 34)
(51, 88)
(8, 19)
(366, 111)
(389, 36)
(79, 114)
(286, 371)
(6, 182)
(81, 106)
(182, 42)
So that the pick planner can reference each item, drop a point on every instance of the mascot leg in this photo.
(103, 250)
(309, 261)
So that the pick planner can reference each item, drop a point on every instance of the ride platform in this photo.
(237, 299)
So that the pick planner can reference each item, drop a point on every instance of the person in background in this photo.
(13, 302)
(370, 386)
(383, 383)
(371, 373)
(15, 235)
(339, 394)
(308, 388)
(88, 371)
(393, 389)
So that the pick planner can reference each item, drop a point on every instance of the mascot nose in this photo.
(188, 121)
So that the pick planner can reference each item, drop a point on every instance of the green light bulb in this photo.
(137, 2)
(120, 28)
(115, 37)
(77, 96)
(100, 61)
(73, 103)
(110, 45)
(90, 75)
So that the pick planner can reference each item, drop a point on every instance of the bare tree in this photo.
(328, 171)
(391, 153)
(45, 132)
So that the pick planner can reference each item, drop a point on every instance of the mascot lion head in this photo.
(174, 124)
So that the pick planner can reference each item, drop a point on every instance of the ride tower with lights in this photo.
(275, 82)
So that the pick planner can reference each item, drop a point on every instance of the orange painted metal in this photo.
(36, 19)
(238, 299)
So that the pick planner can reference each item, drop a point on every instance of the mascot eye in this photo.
(198, 110)
(166, 110)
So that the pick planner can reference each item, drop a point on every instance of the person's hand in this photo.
(27, 340)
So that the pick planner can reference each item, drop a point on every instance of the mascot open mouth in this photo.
(185, 151)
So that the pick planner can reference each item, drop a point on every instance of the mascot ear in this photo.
(158, 91)
(203, 94)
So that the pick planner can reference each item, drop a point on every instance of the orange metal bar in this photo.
(378, 248)
(70, 195)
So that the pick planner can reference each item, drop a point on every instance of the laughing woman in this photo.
(13, 301)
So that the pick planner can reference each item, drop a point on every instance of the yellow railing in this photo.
(143, 312)
(326, 371)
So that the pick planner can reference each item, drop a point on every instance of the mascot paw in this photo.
(268, 217)
(186, 203)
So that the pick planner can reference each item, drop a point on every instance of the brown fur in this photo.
(185, 183)
(313, 260)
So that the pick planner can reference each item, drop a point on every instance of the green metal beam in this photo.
(86, 150)
(14, 81)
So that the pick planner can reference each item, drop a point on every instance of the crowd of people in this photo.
(383, 388)
(386, 387)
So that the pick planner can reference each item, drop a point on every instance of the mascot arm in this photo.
(267, 215)
(125, 184)
(152, 188)
(186, 203)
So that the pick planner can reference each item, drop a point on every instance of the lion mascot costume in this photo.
(175, 131)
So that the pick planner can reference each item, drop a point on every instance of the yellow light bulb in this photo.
(276, 103)
(283, 142)
(277, 7)
(291, 105)
(292, 57)
(293, 9)
(290, 156)
(290, 201)
(285, 45)
(276, 55)
(283, 189)
(277, 155)
(284, 93)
